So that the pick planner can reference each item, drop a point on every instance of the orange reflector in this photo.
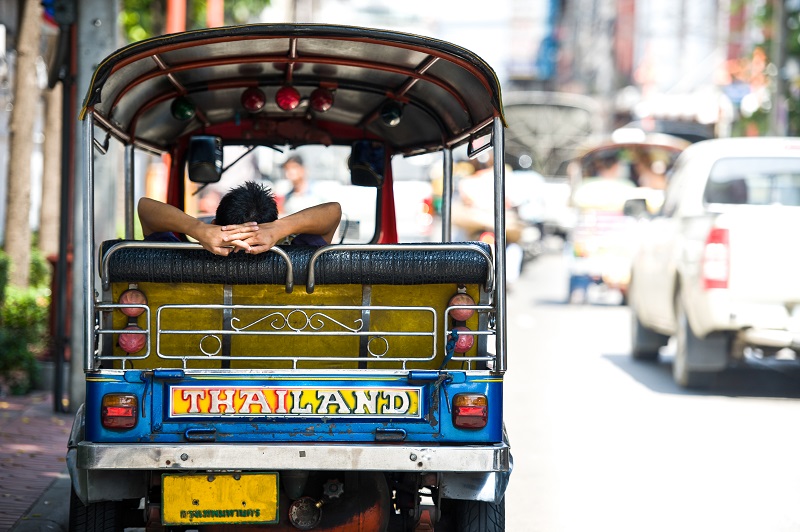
(470, 410)
(119, 411)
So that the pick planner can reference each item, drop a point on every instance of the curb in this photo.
(51, 511)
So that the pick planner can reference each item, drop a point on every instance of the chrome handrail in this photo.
(182, 245)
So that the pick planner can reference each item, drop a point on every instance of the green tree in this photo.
(791, 47)
(141, 19)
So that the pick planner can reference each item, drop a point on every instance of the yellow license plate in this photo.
(219, 498)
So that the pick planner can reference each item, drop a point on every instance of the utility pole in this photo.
(176, 16)
(778, 121)
(96, 38)
(215, 13)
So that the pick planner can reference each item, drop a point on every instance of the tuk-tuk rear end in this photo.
(353, 386)
(631, 165)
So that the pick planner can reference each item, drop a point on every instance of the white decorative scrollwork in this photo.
(385, 346)
(298, 320)
(209, 353)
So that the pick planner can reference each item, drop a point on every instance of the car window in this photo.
(754, 181)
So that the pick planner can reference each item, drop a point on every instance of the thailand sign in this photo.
(294, 401)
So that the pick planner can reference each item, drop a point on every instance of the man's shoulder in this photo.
(304, 239)
(162, 236)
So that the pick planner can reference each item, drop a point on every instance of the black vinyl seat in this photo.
(417, 265)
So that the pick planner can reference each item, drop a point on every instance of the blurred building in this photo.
(518, 38)
(677, 63)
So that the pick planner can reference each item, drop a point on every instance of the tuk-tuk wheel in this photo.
(103, 516)
(96, 516)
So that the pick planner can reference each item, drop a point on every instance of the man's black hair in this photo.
(249, 202)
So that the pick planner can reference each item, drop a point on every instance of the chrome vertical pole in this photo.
(447, 194)
(500, 243)
(129, 206)
(88, 241)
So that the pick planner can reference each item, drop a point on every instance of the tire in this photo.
(645, 342)
(689, 349)
(480, 516)
(105, 516)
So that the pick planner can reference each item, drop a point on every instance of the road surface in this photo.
(602, 443)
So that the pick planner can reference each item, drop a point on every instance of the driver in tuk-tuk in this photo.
(607, 189)
(246, 220)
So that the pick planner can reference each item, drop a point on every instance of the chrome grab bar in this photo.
(182, 245)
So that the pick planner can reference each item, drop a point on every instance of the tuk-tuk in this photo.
(608, 174)
(350, 386)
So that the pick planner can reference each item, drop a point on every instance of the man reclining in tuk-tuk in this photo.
(246, 219)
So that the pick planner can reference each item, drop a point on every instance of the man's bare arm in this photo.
(157, 217)
(319, 220)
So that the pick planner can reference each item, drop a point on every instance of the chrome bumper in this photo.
(359, 457)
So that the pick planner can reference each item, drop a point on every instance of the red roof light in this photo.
(253, 99)
(287, 98)
(321, 99)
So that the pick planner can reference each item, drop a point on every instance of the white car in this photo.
(716, 267)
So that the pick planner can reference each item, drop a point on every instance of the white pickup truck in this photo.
(715, 268)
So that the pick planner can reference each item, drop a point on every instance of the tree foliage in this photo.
(141, 19)
(764, 18)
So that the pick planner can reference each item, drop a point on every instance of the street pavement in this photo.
(34, 484)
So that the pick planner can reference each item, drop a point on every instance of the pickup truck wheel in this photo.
(105, 516)
(480, 516)
(645, 342)
(688, 348)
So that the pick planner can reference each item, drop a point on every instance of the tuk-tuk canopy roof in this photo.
(446, 92)
(630, 138)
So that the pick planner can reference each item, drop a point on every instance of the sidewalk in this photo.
(33, 446)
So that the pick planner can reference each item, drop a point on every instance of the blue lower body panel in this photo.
(173, 407)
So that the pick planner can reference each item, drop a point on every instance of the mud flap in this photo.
(488, 487)
(712, 357)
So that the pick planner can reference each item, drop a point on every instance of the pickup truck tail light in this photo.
(716, 259)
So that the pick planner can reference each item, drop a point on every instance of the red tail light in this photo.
(716, 259)
(465, 339)
(132, 342)
(132, 296)
(119, 411)
(461, 299)
(470, 410)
